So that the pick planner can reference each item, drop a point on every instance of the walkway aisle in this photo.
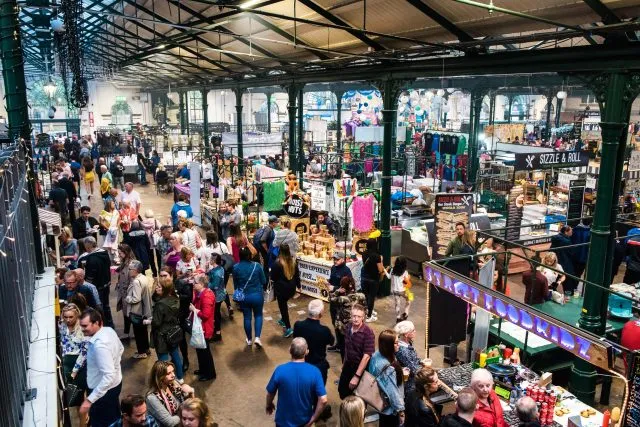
(237, 396)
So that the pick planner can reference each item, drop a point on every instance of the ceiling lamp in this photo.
(451, 90)
(561, 94)
(50, 88)
(440, 92)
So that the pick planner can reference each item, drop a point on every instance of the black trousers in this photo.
(324, 369)
(103, 293)
(184, 350)
(127, 324)
(205, 362)
(141, 334)
(348, 371)
(265, 264)
(284, 309)
(371, 288)
(389, 420)
(106, 410)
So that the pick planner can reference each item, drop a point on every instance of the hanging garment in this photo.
(273, 195)
(368, 165)
(462, 145)
(362, 208)
(435, 142)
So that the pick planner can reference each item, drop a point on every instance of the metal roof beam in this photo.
(462, 35)
(311, 4)
(199, 15)
(607, 15)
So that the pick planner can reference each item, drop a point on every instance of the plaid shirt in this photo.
(163, 247)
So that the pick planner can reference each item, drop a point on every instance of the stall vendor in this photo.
(323, 219)
(184, 172)
(489, 412)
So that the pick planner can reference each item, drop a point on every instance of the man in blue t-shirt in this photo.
(301, 393)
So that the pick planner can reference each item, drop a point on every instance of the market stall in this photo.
(545, 329)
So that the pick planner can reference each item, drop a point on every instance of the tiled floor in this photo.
(237, 396)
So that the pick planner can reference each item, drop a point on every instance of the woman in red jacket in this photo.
(204, 301)
(489, 411)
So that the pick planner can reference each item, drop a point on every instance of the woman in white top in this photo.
(213, 246)
(553, 278)
(187, 266)
(190, 238)
(487, 250)
(110, 220)
(399, 279)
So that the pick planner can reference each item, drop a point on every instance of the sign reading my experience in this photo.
(555, 159)
(314, 279)
(586, 347)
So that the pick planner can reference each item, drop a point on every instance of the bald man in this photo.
(527, 411)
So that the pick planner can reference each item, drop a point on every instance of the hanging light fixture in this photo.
(440, 92)
(561, 94)
(50, 88)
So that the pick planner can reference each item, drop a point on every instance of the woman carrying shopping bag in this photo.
(202, 309)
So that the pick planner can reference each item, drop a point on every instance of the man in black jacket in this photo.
(67, 185)
(117, 172)
(59, 200)
(465, 410)
(84, 226)
(97, 266)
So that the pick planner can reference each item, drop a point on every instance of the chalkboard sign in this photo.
(576, 200)
(633, 409)
(514, 213)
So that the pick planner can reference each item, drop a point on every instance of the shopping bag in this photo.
(197, 334)
(269, 293)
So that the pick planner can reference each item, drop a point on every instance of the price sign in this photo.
(296, 207)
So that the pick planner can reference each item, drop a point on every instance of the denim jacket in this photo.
(387, 382)
(408, 358)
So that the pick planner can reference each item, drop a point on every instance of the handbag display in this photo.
(238, 294)
(368, 390)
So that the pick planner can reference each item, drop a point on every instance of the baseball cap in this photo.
(273, 218)
(338, 255)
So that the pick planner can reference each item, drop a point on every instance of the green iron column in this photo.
(181, 114)
(477, 96)
(15, 91)
(339, 94)
(549, 97)
(615, 93)
(269, 94)
(205, 122)
(301, 154)
(390, 89)
(558, 109)
(186, 113)
(492, 108)
(292, 92)
(239, 91)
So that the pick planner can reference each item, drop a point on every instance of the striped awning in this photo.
(50, 222)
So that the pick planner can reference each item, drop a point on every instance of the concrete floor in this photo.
(237, 396)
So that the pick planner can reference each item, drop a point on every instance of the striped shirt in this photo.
(358, 343)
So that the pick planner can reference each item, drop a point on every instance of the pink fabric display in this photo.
(362, 208)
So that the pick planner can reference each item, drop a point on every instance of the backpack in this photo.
(257, 237)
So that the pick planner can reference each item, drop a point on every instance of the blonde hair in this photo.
(352, 412)
(67, 231)
(198, 408)
(77, 331)
(551, 257)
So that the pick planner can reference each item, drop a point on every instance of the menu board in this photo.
(514, 212)
(576, 200)
(633, 408)
(450, 209)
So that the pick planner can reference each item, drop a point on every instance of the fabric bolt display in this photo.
(273, 195)
(362, 213)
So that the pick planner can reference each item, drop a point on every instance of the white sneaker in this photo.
(375, 313)
(248, 342)
(257, 342)
(371, 319)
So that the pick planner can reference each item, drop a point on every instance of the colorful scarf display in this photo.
(362, 213)
(273, 195)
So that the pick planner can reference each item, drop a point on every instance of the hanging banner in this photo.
(450, 209)
(580, 343)
(557, 159)
(194, 192)
(318, 197)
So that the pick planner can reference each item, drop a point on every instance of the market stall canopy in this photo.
(208, 42)
(50, 223)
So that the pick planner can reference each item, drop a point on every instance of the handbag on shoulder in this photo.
(368, 390)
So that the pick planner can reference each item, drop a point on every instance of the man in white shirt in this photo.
(104, 374)
(132, 196)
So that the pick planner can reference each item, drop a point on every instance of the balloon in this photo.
(370, 97)
(417, 108)
(366, 104)
(363, 117)
(401, 109)
(359, 111)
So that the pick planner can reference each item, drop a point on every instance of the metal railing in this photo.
(17, 282)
